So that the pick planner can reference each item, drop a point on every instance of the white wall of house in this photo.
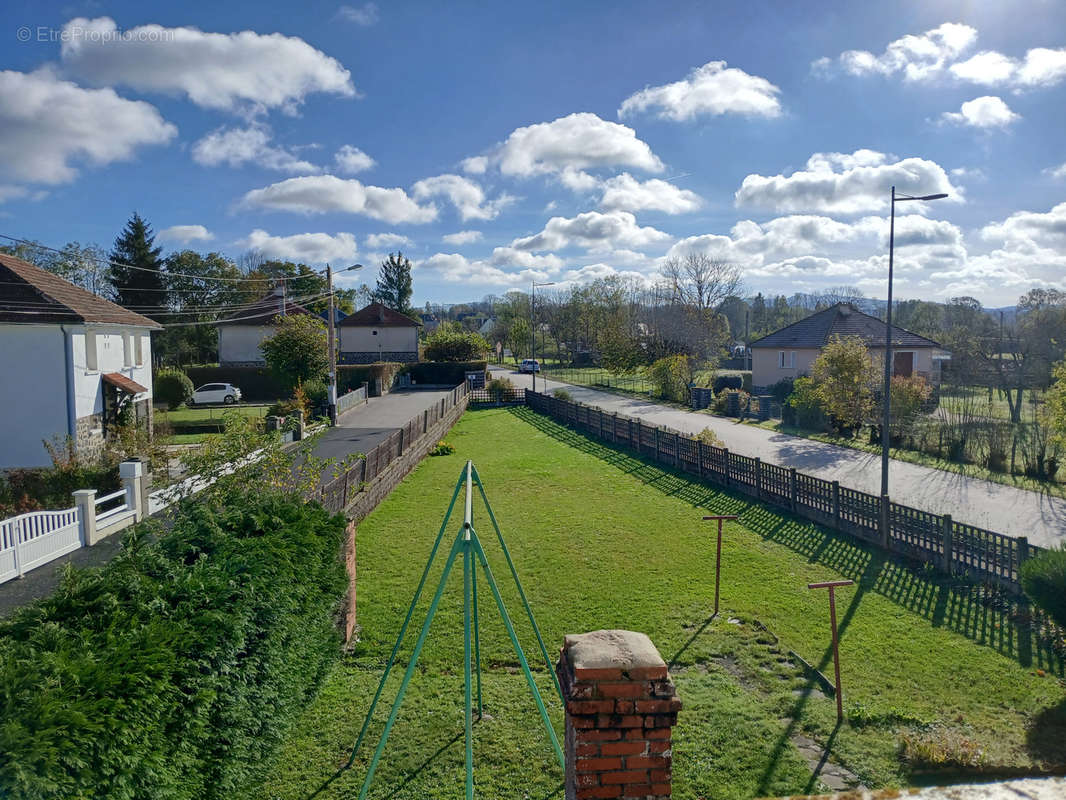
(767, 369)
(239, 344)
(33, 392)
(367, 339)
(116, 350)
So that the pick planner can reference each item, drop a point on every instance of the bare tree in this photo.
(700, 281)
(841, 294)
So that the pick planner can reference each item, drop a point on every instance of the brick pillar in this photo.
(621, 707)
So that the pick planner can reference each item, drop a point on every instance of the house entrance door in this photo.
(903, 364)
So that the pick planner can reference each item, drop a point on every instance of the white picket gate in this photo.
(30, 540)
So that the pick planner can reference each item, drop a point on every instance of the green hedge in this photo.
(450, 373)
(173, 671)
(257, 384)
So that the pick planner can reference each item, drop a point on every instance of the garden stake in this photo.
(718, 555)
(467, 543)
(832, 586)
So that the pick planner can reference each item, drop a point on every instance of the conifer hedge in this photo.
(173, 671)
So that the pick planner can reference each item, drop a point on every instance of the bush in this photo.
(671, 376)
(172, 386)
(442, 449)
(562, 394)
(782, 389)
(725, 382)
(498, 387)
(806, 407)
(38, 488)
(445, 344)
(709, 437)
(317, 392)
(175, 670)
(1043, 578)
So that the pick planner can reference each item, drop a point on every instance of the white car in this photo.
(216, 393)
(529, 365)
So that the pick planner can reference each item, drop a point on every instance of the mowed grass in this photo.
(209, 414)
(602, 539)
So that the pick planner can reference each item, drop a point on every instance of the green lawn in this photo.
(210, 414)
(984, 403)
(602, 539)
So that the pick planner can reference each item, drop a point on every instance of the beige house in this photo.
(241, 333)
(789, 352)
(377, 333)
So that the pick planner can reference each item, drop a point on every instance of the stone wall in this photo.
(89, 436)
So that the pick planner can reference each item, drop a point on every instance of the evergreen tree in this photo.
(135, 271)
(394, 283)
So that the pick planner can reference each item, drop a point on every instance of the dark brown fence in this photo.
(338, 493)
(500, 397)
(952, 547)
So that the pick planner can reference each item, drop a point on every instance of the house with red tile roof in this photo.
(73, 364)
(377, 333)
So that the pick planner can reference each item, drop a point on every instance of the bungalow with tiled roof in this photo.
(241, 333)
(74, 364)
(377, 333)
(789, 352)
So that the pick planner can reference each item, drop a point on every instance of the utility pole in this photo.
(332, 351)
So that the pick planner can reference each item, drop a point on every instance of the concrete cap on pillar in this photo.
(607, 655)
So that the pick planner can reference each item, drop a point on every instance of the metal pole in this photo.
(718, 555)
(332, 351)
(467, 712)
(886, 409)
(832, 587)
(533, 329)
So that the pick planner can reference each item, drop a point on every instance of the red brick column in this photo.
(621, 707)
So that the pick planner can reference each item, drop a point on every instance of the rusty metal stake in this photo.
(718, 555)
(832, 586)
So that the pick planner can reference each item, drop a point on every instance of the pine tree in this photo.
(394, 283)
(135, 271)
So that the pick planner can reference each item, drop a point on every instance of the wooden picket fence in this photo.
(950, 546)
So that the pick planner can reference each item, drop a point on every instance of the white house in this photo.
(241, 333)
(377, 333)
(72, 364)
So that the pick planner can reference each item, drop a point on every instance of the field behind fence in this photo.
(936, 539)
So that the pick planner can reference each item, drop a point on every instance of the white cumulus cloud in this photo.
(466, 195)
(185, 234)
(387, 240)
(593, 231)
(845, 183)
(48, 127)
(917, 57)
(319, 194)
(237, 146)
(626, 193)
(311, 248)
(351, 160)
(364, 15)
(462, 237)
(982, 112)
(225, 71)
(713, 89)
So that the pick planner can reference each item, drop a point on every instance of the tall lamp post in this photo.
(331, 339)
(533, 326)
(886, 394)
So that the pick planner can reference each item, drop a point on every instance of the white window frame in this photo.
(127, 350)
(92, 356)
(781, 359)
(138, 349)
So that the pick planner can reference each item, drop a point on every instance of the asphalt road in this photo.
(1006, 509)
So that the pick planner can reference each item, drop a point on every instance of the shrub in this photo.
(175, 670)
(724, 382)
(39, 488)
(317, 392)
(562, 394)
(782, 389)
(442, 449)
(445, 344)
(172, 386)
(1043, 578)
(709, 437)
(806, 406)
(671, 376)
(498, 387)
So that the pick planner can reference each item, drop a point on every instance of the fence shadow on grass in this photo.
(984, 615)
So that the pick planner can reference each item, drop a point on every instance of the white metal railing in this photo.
(30, 540)
(351, 400)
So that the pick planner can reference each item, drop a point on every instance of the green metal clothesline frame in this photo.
(469, 546)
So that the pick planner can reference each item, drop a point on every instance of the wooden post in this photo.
(792, 489)
(758, 478)
(725, 453)
(836, 505)
(699, 458)
(832, 586)
(657, 455)
(718, 555)
(947, 528)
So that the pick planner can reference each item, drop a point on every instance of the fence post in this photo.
(758, 478)
(699, 458)
(1023, 555)
(792, 489)
(947, 529)
(425, 421)
(399, 445)
(725, 453)
(85, 502)
(132, 473)
(657, 454)
(836, 505)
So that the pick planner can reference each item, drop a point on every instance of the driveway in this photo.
(1005, 509)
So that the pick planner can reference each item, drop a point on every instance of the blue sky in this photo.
(497, 144)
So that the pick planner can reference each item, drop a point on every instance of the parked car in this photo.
(216, 393)
(529, 365)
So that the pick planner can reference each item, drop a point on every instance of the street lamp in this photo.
(533, 326)
(885, 411)
(332, 347)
